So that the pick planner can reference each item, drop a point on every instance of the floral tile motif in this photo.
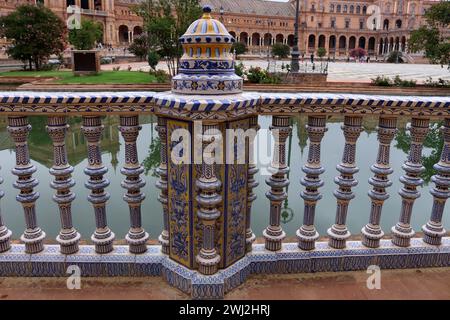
(354, 262)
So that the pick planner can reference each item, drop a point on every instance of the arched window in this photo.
(331, 7)
(352, 9)
(338, 8)
(358, 9)
(364, 10)
(345, 8)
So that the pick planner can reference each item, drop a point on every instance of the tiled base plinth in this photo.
(51, 263)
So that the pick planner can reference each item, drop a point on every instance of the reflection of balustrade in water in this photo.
(336, 253)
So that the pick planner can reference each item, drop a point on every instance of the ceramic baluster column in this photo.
(274, 234)
(208, 199)
(162, 184)
(402, 232)
(372, 233)
(307, 234)
(434, 231)
(338, 233)
(5, 233)
(136, 237)
(33, 236)
(68, 237)
(103, 237)
(251, 185)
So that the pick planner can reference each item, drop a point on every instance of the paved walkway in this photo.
(433, 284)
(342, 71)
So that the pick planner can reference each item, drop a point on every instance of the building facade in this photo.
(378, 26)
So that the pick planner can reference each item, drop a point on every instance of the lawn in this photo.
(104, 77)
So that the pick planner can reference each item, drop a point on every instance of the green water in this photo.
(117, 210)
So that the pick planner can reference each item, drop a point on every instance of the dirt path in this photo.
(395, 284)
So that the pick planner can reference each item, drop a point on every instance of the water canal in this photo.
(148, 145)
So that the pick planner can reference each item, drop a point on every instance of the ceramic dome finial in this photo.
(207, 64)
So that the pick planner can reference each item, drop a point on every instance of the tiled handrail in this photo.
(266, 103)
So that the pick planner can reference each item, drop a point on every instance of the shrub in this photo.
(256, 75)
(272, 79)
(160, 75)
(440, 83)
(139, 47)
(403, 83)
(239, 69)
(382, 81)
(281, 50)
(358, 53)
(153, 59)
(106, 60)
(321, 52)
(240, 48)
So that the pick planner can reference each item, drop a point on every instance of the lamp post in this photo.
(268, 44)
(222, 11)
(295, 55)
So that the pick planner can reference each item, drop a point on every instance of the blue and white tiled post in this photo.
(372, 233)
(208, 199)
(5, 233)
(132, 169)
(162, 184)
(274, 233)
(338, 233)
(68, 237)
(307, 234)
(33, 236)
(402, 232)
(434, 230)
(103, 237)
(251, 185)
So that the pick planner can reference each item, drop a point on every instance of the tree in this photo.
(166, 21)
(140, 46)
(358, 53)
(434, 140)
(239, 48)
(321, 52)
(86, 37)
(431, 38)
(281, 50)
(36, 33)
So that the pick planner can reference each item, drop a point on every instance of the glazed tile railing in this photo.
(221, 253)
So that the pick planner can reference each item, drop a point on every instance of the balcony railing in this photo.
(138, 258)
(94, 12)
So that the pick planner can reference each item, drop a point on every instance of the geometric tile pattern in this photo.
(290, 259)
(266, 103)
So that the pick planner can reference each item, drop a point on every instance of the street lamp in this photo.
(222, 11)
(295, 55)
(268, 44)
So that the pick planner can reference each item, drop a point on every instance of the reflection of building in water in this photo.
(302, 134)
(40, 143)
(42, 152)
